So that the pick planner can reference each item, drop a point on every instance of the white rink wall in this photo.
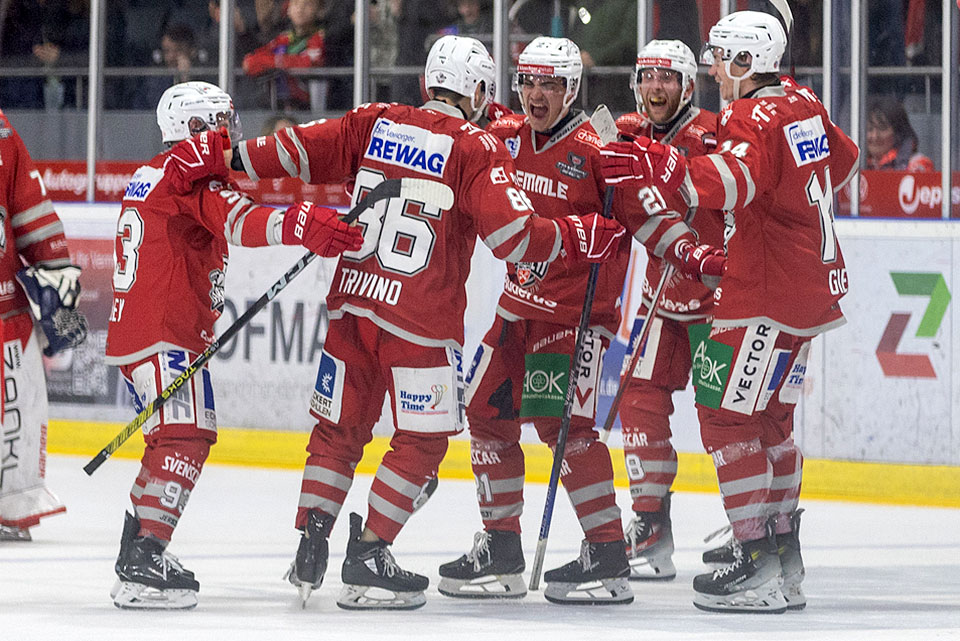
(852, 408)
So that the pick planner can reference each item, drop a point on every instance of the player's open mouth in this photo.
(539, 111)
(656, 101)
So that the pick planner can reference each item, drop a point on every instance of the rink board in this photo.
(822, 479)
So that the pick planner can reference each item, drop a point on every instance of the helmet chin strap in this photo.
(737, 79)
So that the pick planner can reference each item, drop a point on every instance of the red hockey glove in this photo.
(646, 161)
(701, 260)
(202, 156)
(495, 111)
(591, 238)
(320, 230)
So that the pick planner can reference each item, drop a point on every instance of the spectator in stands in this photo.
(474, 18)
(244, 28)
(177, 53)
(417, 20)
(383, 44)
(276, 123)
(891, 140)
(336, 22)
(300, 47)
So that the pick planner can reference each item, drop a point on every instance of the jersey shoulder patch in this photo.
(143, 182)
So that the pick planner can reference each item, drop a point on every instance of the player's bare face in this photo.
(718, 70)
(543, 100)
(661, 93)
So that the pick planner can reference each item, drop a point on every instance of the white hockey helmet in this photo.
(188, 108)
(459, 64)
(759, 34)
(666, 54)
(556, 57)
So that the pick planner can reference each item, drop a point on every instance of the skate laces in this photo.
(481, 546)
(390, 567)
(729, 569)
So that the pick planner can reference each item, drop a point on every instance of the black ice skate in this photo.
(372, 580)
(791, 564)
(493, 569)
(149, 577)
(11, 533)
(750, 584)
(308, 567)
(649, 543)
(598, 577)
(722, 555)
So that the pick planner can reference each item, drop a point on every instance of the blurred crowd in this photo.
(277, 42)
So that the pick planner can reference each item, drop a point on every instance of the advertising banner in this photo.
(901, 194)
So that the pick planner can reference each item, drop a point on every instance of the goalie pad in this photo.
(53, 294)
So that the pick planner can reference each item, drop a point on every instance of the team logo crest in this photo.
(573, 168)
(529, 275)
(513, 146)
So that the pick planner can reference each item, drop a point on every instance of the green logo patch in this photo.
(711, 365)
(544, 384)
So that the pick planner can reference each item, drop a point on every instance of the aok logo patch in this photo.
(544, 384)
(898, 365)
(711, 366)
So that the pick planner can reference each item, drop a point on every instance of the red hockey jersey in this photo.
(170, 257)
(779, 162)
(31, 232)
(562, 177)
(409, 276)
(694, 134)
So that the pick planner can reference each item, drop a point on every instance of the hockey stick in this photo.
(422, 190)
(606, 128)
(637, 353)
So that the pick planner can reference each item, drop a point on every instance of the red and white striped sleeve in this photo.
(37, 230)
(731, 178)
(317, 152)
(242, 221)
(504, 217)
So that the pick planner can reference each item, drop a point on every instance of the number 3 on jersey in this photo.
(127, 249)
(397, 231)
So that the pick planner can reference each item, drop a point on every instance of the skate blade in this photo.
(655, 569)
(9, 533)
(135, 596)
(601, 592)
(304, 588)
(503, 586)
(764, 599)
(368, 597)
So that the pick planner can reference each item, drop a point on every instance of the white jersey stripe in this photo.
(729, 182)
(304, 158)
(748, 179)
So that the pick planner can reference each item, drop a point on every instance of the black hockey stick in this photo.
(421, 190)
(606, 128)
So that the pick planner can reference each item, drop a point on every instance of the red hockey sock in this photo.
(325, 484)
(787, 464)
(499, 469)
(169, 470)
(587, 474)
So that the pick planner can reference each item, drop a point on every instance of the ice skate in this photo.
(148, 577)
(308, 567)
(11, 533)
(791, 564)
(493, 569)
(649, 543)
(372, 580)
(598, 577)
(724, 554)
(750, 584)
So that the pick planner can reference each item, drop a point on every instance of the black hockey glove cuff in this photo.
(236, 163)
(53, 294)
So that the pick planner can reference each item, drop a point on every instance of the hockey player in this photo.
(396, 306)
(520, 367)
(179, 214)
(31, 234)
(663, 83)
(779, 162)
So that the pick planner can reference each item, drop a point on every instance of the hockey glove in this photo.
(202, 156)
(52, 294)
(704, 262)
(495, 111)
(646, 161)
(591, 238)
(320, 230)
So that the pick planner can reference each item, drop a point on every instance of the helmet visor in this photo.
(229, 119)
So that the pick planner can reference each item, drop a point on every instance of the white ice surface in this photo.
(874, 573)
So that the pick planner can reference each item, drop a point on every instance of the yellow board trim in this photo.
(933, 485)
